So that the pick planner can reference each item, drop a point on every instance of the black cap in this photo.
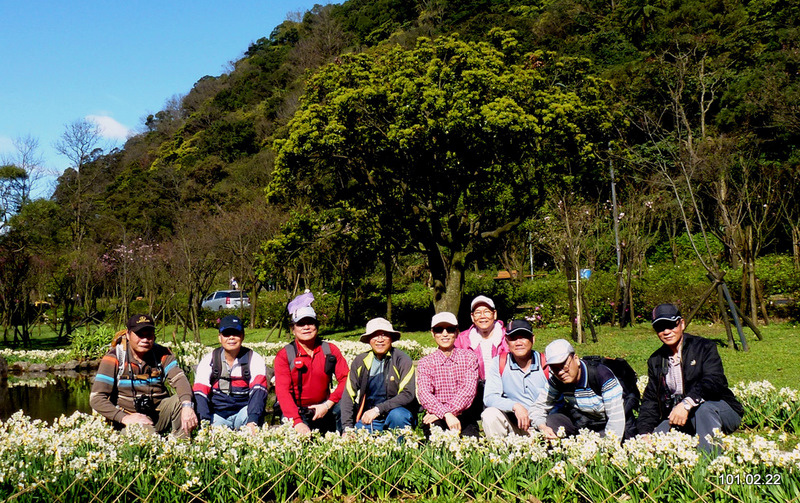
(666, 312)
(517, 328)
(231, 323)
(140, 321)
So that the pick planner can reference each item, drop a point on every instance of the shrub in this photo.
(777, 275)
(413, 308)
(87, 343)
(549, 295)
(662, 251)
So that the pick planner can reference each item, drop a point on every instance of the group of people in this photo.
(488, 373)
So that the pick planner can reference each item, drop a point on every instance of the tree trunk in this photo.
(743, 292)
(617, 291)
(762, 302)
(254, 302)
(578, 306)
(796, 246)
(629, 289)
(751, 266)
(387, 265)
(448, 284)
(724, 315)
(571, 301)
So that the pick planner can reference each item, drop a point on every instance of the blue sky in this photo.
(114, 61)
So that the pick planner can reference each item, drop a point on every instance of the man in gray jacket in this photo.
(381, 389)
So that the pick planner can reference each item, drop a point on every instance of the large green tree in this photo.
(450, 140)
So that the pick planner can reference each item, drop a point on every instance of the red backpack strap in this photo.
(543, 363)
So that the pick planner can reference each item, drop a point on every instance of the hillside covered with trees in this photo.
(380, 151)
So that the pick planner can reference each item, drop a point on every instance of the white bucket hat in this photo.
(379, 324)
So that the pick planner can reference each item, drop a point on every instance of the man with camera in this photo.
(130, 385)
(303, 374)
(686, 387)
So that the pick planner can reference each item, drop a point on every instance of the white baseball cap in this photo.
(444, 319)
(481, 299)
(304, 312)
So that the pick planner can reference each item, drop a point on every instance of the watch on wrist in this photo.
(686, 406)
(187, 404)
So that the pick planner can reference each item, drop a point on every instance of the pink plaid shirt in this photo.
(447, 384)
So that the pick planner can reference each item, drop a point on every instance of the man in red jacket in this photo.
(302, 385)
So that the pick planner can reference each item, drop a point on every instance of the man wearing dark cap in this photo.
(381, 390)
(230, 384)
(130, 385)
(686, 387)
(514, 380)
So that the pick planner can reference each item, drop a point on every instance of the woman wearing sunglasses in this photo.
(447, 380)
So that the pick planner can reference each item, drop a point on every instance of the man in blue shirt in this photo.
(514, 380)
(591, 396)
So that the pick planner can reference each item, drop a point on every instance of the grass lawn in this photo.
(775, 359)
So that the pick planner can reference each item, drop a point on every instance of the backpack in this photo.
(216, 368)
(542, 364)
(330, 359)
(626, 376)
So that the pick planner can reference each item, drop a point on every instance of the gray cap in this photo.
(558, 351)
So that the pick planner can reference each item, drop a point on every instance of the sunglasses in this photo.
(663, 325)
(441, 328)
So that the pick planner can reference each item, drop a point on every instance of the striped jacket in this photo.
(116, 386)
(253, 395)
(580, 396)
(398, 377)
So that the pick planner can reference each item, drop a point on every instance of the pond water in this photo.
(46, 397)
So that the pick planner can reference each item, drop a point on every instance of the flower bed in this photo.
(48, 357)
(81, 458)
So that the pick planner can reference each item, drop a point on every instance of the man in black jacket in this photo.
(687, 388)
(381, 389)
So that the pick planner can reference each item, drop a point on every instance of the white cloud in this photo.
(110, 128)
